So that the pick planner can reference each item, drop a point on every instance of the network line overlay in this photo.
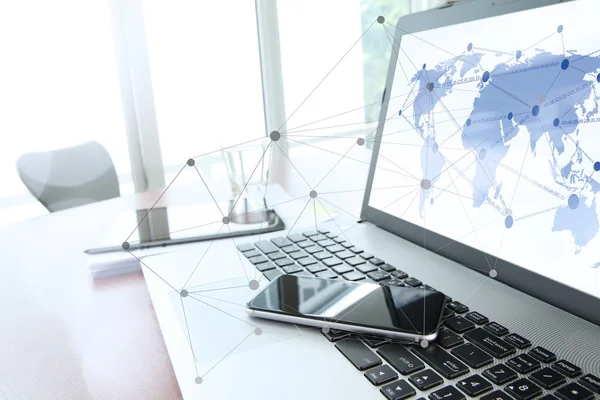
(483, 149)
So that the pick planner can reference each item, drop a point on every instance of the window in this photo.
(59, 88)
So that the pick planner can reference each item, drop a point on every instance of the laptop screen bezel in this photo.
(544, 288)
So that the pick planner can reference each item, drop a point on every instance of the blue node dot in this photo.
(399, 112)
(519, 54)
(435, 148)
(486, 76)
(573, 201)
(597, 166)
(470, 47)
(564, 64)
(424, 66)
(598, 77)
(559, 29)
(509, 116)
(431, 201)
(508, 221)
(535, 110)
(556, 122)
(469, 122)
(482, 154)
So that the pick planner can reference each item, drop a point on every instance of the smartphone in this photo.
(404, 313)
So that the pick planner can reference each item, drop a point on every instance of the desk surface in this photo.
(66, 336)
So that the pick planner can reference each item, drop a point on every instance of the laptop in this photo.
(487, 133)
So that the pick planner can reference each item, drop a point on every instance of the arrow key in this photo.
(398, 390)
(474, 385)
(425, 380)
(381, 375)
(500, 374)
(497, 395)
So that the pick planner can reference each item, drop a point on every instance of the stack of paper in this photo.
(115, 263)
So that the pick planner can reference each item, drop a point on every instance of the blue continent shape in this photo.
(582, 222)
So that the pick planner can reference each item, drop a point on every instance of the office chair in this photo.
(70, 177)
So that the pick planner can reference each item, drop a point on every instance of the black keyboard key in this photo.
(426, 287)
(296, 237)
(327, 243)
(244, 247)
(387, 267)
(347, 245)
(566, 368)
(258, 259)
(523, 363)
(489, 343)
(399, 274)
(272, 274)
(317, 267)
(281, 242)
(312, 249)
(333, 335)
(378, 275)
(548, 378)
(332, 262)
(276, 256)
(356, 250)
(497, 395)
(303, 273)
(266, 247)
(322, 255)
(354, 261)
(548, 397)
(343, 255)
(477, 318)
(366, 256)
(358, 354)
(380, 375)
(298, 255)
(438, 359)
(323, 231)
(331, 235)
(457, 307)
(290, 249)
(398, 390)
(327, 275)
(366, 268)
(353, 276)
(307, 261)
(284, 262)
(310, 233)
(394, 282)
(448, 313)
(425, 380)
(459, 324)
(292, 269)
(342, 269)
(591, 382)
(335, 249)
(376, 261)
(472, 356)
(474, 385)
(400, 358)
(500, 374)
(265, 266)
(447, 393)
(412, 281)
(517, 340)
(523, 389)
(374, 341)
(573, 391)
(542, 354)
(308, 245)
(496, 329)
(448, 339)
(252, 253)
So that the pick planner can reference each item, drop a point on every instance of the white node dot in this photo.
(493, 273)
(183, 293)
(275, 136)
(313, 194)
(253, 284)
(424, 343)
(325, 329)
(360, 141)
(191, 162)
(508, 211)
(425, 184)
(198, 380)
(226, 220)
(258, 331)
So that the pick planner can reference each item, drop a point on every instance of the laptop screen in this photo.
(493, 139)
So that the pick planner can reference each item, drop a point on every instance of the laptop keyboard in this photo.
(491, 362)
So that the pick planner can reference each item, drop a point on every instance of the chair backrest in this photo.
(69, 177)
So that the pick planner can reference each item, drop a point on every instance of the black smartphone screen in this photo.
(391, 308)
